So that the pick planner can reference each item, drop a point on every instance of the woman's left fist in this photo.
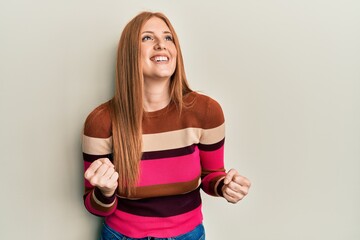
(236, 187)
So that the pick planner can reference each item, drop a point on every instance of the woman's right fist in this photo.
(101, 174)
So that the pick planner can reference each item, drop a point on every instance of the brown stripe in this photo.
(166, 189)
(95, 205)
(204, 113)
(99, 207)
(98, 123)
(199, 111)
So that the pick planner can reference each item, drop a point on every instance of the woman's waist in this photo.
(161, 206)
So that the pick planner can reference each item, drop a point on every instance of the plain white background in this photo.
(286, 72)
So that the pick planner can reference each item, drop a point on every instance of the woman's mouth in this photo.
(159, 59)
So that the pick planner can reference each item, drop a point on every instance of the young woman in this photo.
(151, 148)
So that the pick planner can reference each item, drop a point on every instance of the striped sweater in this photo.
(181, 154)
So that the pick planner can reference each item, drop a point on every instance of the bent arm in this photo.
(211, 148)
(97, 144)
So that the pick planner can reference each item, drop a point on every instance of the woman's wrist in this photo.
(104, 196)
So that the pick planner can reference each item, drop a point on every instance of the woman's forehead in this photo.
(155, 24)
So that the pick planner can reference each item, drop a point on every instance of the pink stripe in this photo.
(86, 165)
(170, 170)
(212, 159)
(138, 227)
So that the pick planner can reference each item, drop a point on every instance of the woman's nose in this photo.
(160, 45)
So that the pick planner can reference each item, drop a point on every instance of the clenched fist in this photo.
(236, 187)
(101, 173)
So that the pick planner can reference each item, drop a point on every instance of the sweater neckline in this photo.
(170, 107)
(160, 112)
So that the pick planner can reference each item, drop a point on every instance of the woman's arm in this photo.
(211, 148)
(215, 181)
(100, 176)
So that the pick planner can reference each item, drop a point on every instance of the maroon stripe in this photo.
(102, 198)
(92, 158)
(211, 147)
(169, 153)
(161, 206)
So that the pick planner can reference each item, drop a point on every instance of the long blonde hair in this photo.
(126, 107)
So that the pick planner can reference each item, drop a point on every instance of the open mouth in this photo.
(159, 59)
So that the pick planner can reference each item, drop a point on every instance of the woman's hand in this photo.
(236, 187)
(101, 173)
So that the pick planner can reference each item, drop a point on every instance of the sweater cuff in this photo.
(219, 186)
(102, 198)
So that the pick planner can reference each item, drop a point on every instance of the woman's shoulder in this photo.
(200, 98)
(98, 122)
(201, 101)
(206, 108)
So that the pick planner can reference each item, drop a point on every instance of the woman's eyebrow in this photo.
(164, 32)
(147, 32)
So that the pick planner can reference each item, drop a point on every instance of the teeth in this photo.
(160, 58)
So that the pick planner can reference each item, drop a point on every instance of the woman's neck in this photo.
(156, 95)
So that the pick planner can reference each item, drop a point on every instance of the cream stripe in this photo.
(159, 141)
(171, 140)
(213, 135)
(182, 138)
(216, 186)
(96, 146)
(100, 203)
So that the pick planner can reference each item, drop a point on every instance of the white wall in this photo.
(287, 74)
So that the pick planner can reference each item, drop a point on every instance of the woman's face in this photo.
(158, 51)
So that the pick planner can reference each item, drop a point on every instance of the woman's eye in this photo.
(146, 38)
(168, 38)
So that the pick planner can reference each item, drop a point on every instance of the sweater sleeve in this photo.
(97, 143)
(211, 149)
